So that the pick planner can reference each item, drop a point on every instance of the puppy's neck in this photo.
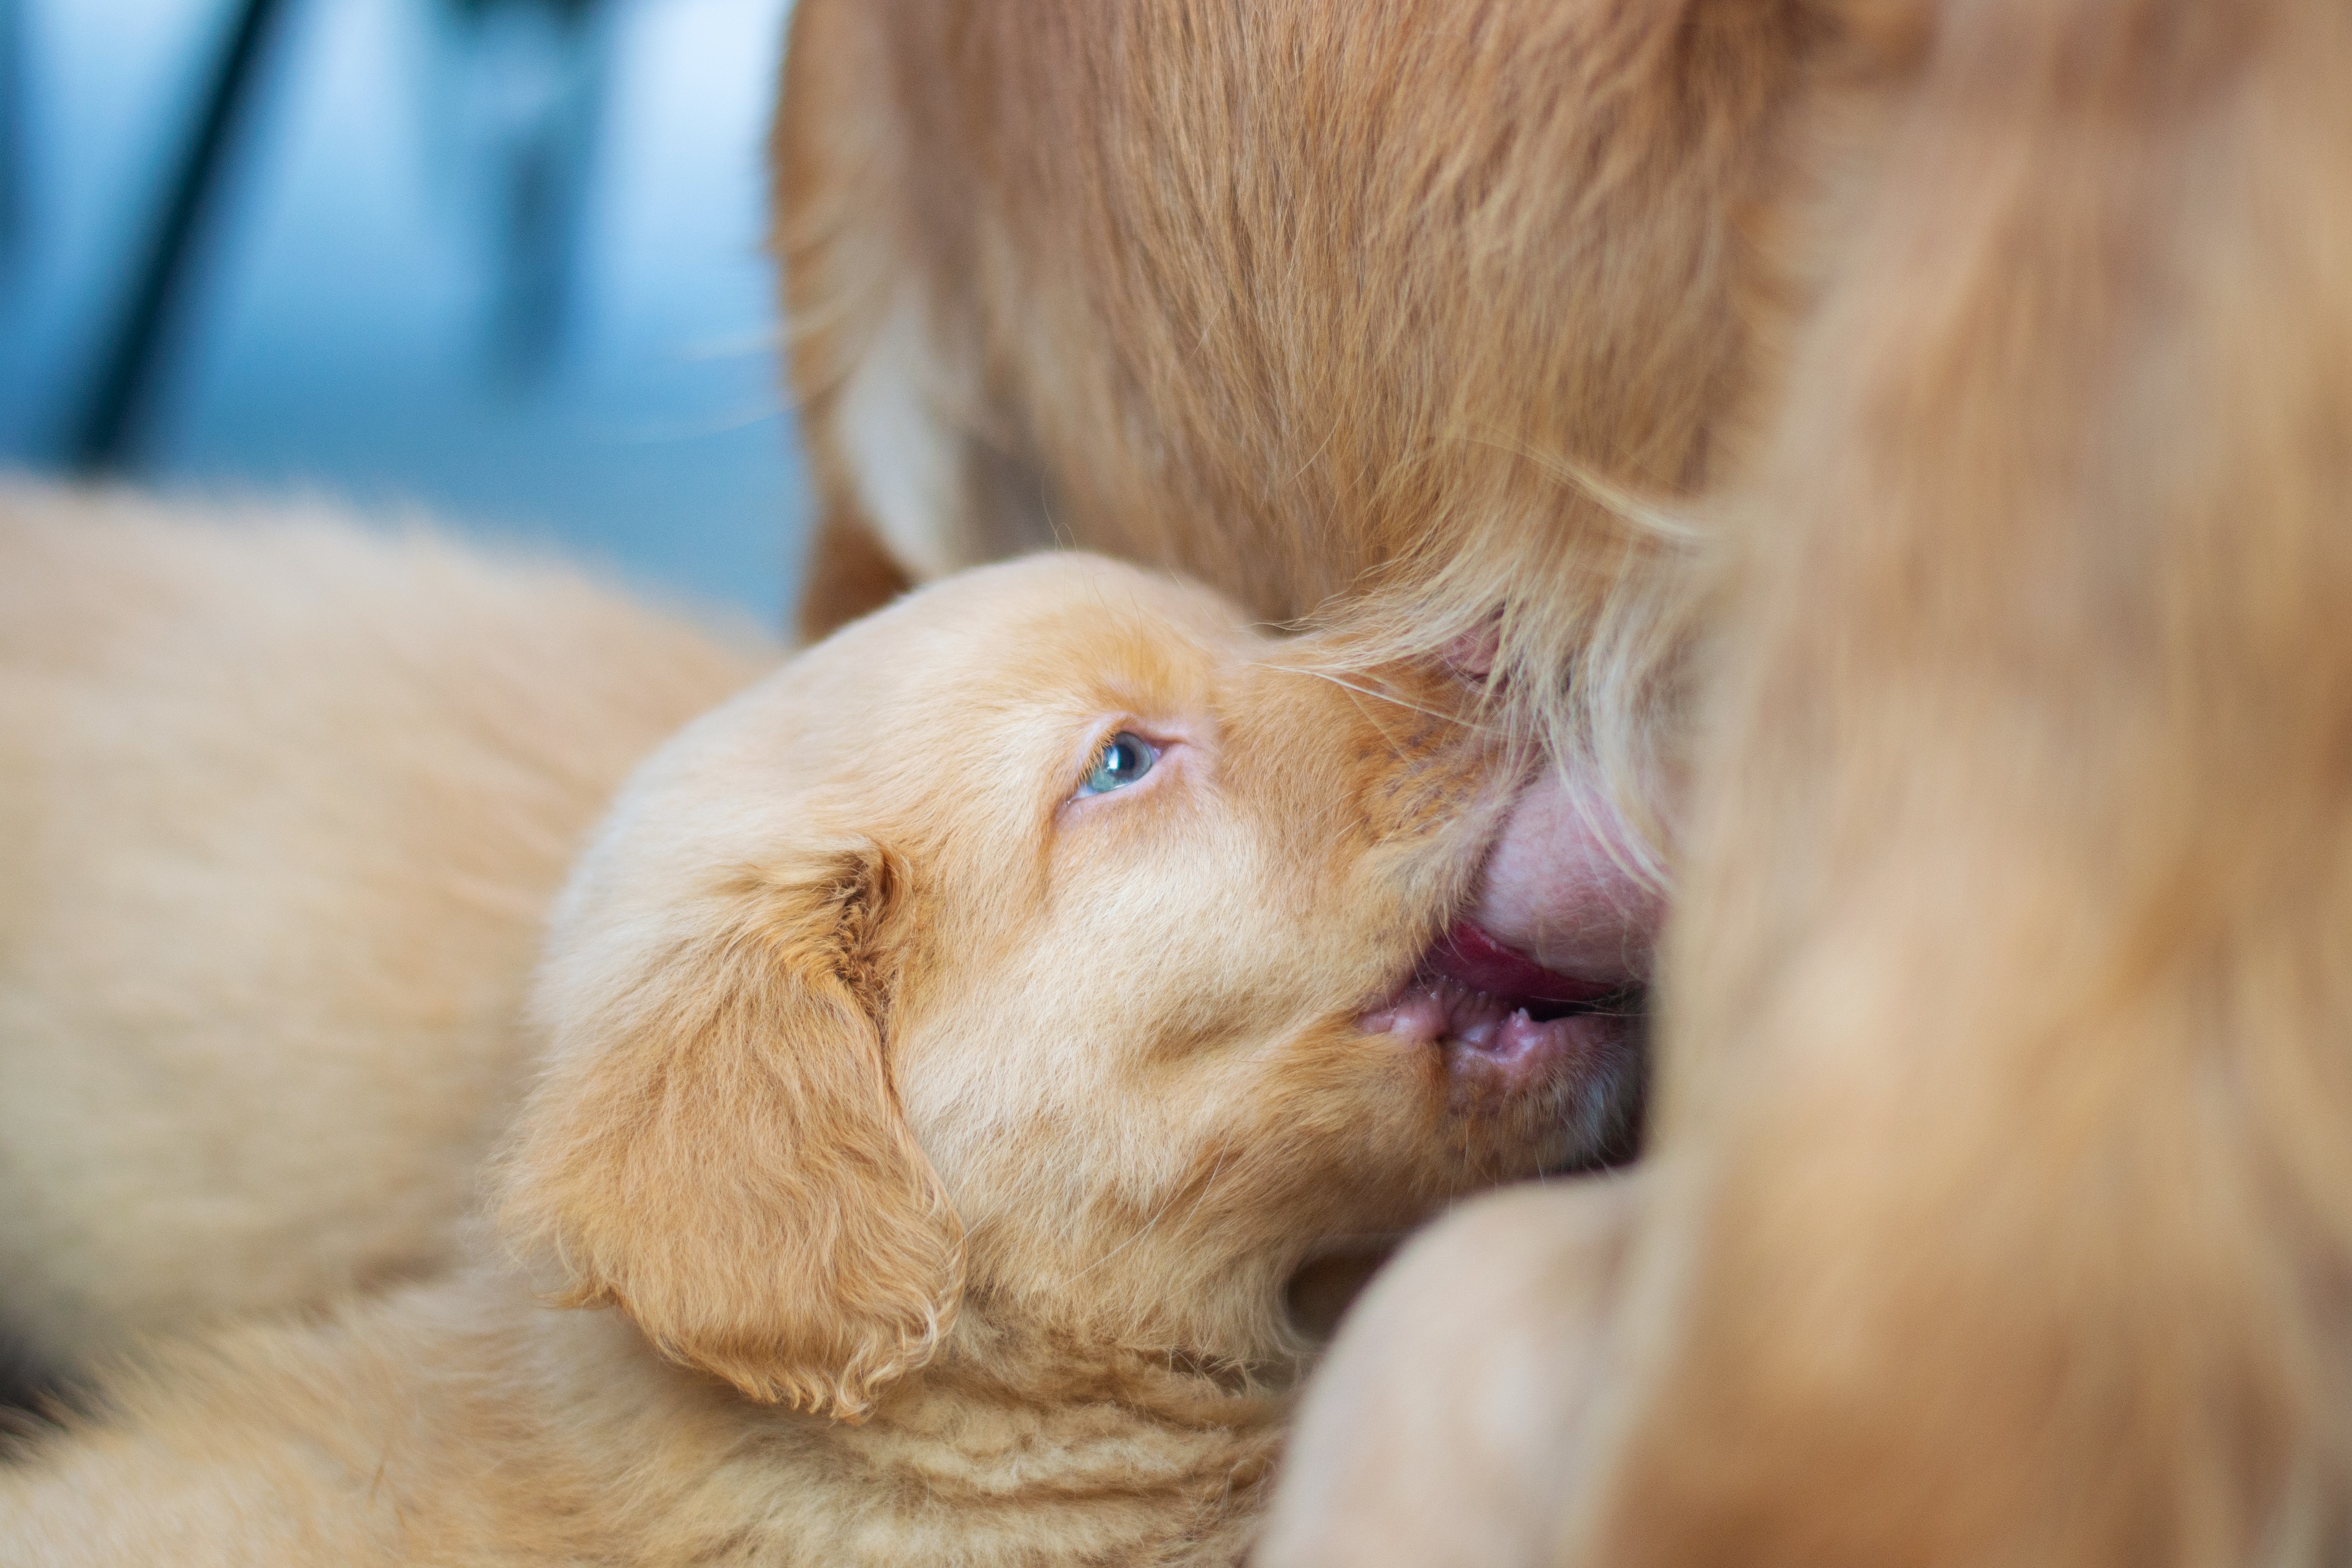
(1125, 1450)
(1018, 1445)
(999, 1355)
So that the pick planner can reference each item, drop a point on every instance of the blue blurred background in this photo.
(497, 258)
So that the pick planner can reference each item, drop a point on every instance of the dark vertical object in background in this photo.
(108, 434)
(553, 59)
(14, 160)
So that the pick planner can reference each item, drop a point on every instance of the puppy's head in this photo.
(1017, 944)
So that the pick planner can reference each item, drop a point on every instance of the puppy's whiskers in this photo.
(1388, 697)
(1645, 515)
(1216, 1169)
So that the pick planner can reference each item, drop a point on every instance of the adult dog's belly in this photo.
(1561, 886)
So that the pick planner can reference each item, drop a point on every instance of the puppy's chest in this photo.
(980, 1482)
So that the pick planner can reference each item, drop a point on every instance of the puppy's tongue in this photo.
(1467, 955)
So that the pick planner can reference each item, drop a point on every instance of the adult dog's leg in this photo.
(906, 444)
(2006, 1158)
(1441, 1428)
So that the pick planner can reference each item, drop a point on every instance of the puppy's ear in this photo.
(715, 1146)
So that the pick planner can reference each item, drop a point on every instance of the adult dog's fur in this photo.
(282, 804)
(1364, 310)
(2003, 1207)
(941, 1135)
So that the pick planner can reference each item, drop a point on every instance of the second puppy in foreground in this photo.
(955, 1043)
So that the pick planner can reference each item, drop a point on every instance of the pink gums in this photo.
(1478, 1003)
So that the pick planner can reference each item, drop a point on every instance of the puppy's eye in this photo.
(1127, 759)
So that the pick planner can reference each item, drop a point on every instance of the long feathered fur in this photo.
(1916, 431)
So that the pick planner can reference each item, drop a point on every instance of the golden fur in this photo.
(940, 1140)
(2001, 1207)
(282, 804)
(1363, 311)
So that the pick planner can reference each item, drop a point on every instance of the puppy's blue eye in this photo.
(1127, 759)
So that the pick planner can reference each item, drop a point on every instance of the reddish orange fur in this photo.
(2011, 1009)
(2000, 1209)
(1379, 313)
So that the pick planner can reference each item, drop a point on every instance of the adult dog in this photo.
(956, 1043)
(2002, 1198)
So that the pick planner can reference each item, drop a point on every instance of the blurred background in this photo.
(499, 259)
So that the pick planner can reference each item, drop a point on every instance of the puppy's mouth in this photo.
(1506, 1026)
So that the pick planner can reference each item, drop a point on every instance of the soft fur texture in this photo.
(2009, 1103)
(939, 1138)
(283, 802)
(1369, 311)
(2000, 1204)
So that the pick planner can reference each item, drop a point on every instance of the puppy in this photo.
(283, 802)
(1999, 1211)
(954, 1045)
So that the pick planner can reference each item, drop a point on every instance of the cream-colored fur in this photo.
(922, 1145)
(282, 804)
(2003, 1201)
(1451, 1409)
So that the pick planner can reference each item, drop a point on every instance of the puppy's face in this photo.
(1018, 942)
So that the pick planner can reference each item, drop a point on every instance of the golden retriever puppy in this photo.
(283, 805)
(954, 1045)
(2001, 1208)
